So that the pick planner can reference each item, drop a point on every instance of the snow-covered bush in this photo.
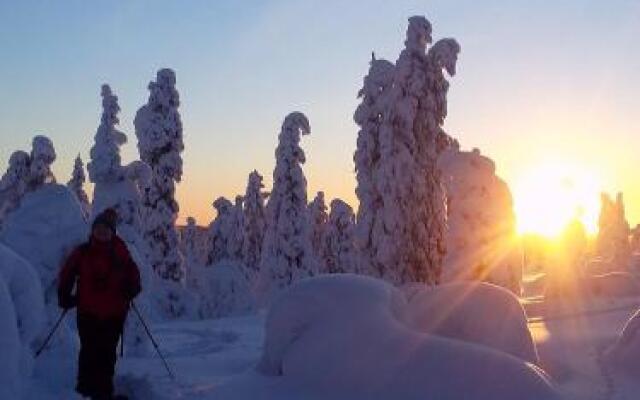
(159, 132)
(409, 245)
(76, 184)
(481, 241)
(220, 231)
(254, 225)
(478, 313)
(287, 254)
(345, 337)
(223, 291)
(46, 227)
(368, 116)
(318, 217)
(11, 375)
(338, 251)
(26, 294)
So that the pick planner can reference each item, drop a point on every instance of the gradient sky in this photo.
(537, 80)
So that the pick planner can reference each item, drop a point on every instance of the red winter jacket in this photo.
(107, 278)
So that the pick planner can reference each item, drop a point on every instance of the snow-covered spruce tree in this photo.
(76, 184)
(411, 244)
(368, 117)
(287, 254)
(318, 218)
(613, 232)
(190, 242)
(339, 255)
(159, 133)
(220, 231)
(254, 225)
(236, 234)
(13, 184)
(116, 186)
(42, 156)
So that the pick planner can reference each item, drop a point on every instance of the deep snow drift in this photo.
(347, 337)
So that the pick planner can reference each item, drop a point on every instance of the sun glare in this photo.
(551, 194)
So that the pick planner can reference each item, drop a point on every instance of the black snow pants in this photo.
(98, 353)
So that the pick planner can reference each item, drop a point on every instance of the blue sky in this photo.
(536, 80)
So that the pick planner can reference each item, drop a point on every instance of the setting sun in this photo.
(548, 196)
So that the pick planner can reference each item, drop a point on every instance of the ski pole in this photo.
(153, 341)
(53, 330)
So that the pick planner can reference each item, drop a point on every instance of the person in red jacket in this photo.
(106, 279)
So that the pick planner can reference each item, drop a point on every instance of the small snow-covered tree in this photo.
(220, 231)
(76, 184)
(339, 255)
(613, 232)
(159, 132)
(254, 225)
(42, 156)
(13, 184)
(236, 234)
(318, 218)
(368, 116)
(191, 242)
(287, 254)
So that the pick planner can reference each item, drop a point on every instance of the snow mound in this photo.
(624, 355)
(223, 290)
(46, 227)
(346, 337)
(11, 379)
(26, 294)
(614, 284)
(479, 313)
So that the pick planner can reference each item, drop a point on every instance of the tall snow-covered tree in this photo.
(287, 253)
(411, 243)
(159, 132)
(76, 184)
(13, 184)
(368, 117)
(42, 156)
(220, 231)
(339, 255)
(318, 218)
(254, 225)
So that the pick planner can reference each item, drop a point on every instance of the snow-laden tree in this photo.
(481, 221)
(613, 243)
(254, 225)
(159, 132)
(318, 218)
(116, 186)
(191, 243)
(43, 154)
(338, 253)
(369, 116)
(410, 245)
(236, 235)
(13, 184)
(287, 254)
(220, 231)
(76, 184)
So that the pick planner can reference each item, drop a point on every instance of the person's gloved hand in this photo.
(67, 302)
